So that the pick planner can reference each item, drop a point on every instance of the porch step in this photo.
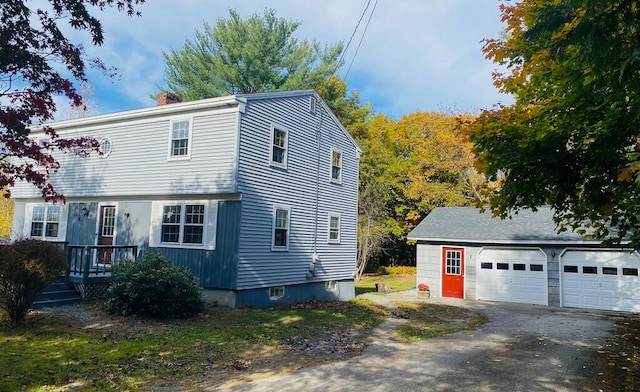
(59, 293)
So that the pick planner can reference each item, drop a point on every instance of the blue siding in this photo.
(317, 291)
(80, 228)
(305, 181)
(214, 269)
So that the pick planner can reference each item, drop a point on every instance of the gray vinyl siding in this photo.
(138, 163)
(263, 186)
(429, 267)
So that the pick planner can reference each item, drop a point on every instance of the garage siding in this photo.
(428, 267)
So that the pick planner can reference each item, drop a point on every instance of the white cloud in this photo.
(416, 55)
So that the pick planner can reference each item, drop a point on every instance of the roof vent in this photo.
(312, 105)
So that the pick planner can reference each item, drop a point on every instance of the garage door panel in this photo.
(613, 286)
(510, 277)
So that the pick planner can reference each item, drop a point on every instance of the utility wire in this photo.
(361, 38)
(344, 51)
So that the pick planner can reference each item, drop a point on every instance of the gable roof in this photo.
(467, 224)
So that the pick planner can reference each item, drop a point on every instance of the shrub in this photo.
(26, 268)
(400, 270)
(151, 287)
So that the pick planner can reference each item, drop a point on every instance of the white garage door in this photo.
(512, 275)
(598, 279)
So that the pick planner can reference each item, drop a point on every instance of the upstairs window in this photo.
(279, 141)
(180, 145)
(280, 240)
(334, 228)
(336, 166)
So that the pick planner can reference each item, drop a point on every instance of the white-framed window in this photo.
(334, 229)
(281, 220)
(180, 139)
(45, 221)
(279, 146)
(276, 292)
(188, 224)
(336, 166)
(105, 147)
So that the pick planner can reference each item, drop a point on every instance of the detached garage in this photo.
(462, 253)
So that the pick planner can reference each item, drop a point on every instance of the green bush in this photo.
(151, 287)
(26, 268)
(400, 270)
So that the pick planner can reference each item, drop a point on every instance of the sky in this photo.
(416, 55)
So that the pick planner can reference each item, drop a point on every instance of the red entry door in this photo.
(106, 232)
(453, 272)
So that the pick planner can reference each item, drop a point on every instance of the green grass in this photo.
(429, 320)
(48, 353)
(396, 282)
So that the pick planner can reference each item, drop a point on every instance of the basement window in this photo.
(276, 293)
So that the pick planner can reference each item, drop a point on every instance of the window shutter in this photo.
(155, 224)
(28, 214)
(212, 224)
(62, 224)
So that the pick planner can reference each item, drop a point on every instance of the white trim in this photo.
(507, 242)
(102, 140)
(62, 222)
(275, 248)
(339, 179)
(273, 163)
(209, 228)
(334, 215)
(99, 221)
(171, 157)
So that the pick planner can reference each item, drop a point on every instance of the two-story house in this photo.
(255, 194)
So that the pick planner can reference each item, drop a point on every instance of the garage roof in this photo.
(467, 224)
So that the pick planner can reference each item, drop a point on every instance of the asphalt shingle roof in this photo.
(468, 224)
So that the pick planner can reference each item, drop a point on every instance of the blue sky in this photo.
(416, 54)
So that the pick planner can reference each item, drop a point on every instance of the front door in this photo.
(106, 232)
(453, 272)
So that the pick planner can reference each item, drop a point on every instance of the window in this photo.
(336, 166)
(536, 267)
(105, 147)
(589, 270)
(519, 267)
(276, 292)
(46, 222)
(334, 228)
(486, 265)
(180, 145)
(609, 271)
(630, 271)
(108, 221)
(571, 268)
(183, 224)
(502, 266)
(453, 260)
(279, 147)
(281, 218)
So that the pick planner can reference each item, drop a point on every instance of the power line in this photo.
(361, 38)
(344, 51)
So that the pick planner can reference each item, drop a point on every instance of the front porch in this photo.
(92, 264)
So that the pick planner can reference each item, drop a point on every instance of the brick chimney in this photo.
(167, 97)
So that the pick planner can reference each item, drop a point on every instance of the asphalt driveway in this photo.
(521, 348)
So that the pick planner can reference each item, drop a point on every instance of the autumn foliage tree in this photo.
(37, 63)
(571, 140)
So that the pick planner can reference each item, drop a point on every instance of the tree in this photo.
(414, 165)
(258, 54)
(35, 56)
(571, 139)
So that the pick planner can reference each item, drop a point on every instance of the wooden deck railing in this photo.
(94, 263)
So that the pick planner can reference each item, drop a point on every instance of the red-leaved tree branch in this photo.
(33, 49)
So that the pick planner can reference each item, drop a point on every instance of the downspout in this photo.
(314, 256)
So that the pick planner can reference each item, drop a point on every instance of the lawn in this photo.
(397, 282)
(52, 353)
